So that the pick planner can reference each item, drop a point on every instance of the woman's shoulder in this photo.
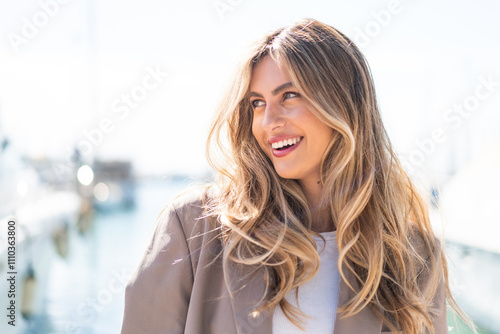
(190, 210)
(428, 251)
(424, 243)
(193, 200)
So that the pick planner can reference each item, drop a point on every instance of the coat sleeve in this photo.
(441, 320)
(157, 295)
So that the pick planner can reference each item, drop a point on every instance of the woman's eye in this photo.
(257, 103)
(289, 95)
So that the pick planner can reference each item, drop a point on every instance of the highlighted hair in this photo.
(374, 205)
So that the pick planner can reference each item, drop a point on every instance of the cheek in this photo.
(262, 145)
(325, 139)
(258, 135)
(256, 132)
(320, 133)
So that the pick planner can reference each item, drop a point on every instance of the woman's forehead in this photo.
(268, 72)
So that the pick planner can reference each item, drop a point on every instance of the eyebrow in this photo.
(275, 91)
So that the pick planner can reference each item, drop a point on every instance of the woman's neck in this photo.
(320, 214)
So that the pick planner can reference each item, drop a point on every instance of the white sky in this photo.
(65, 79)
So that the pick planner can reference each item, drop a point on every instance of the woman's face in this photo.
(289, 134)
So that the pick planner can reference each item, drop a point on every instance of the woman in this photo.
(313, 225)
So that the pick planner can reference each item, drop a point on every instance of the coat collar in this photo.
(248, 286)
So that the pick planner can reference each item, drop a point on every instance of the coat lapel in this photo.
(248, 287)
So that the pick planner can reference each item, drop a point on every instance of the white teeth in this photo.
(281, 143)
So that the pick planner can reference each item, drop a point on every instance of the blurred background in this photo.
(105, 107)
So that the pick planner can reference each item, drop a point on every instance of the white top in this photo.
(318, 297)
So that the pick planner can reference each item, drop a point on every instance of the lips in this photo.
(285, 142)
(282, 147)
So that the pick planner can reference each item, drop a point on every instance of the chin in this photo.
(287, 174)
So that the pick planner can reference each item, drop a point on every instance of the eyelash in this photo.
(252, 102)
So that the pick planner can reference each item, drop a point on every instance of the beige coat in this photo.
(179, 287)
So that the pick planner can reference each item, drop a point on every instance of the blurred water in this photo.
(474, 277)
(85, 292)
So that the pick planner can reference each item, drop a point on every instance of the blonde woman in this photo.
(312, 227)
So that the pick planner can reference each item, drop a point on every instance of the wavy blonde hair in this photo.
(376, 208)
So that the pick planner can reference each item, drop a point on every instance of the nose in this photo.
(273, 118)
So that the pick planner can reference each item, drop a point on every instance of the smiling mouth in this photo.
(284, 144)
